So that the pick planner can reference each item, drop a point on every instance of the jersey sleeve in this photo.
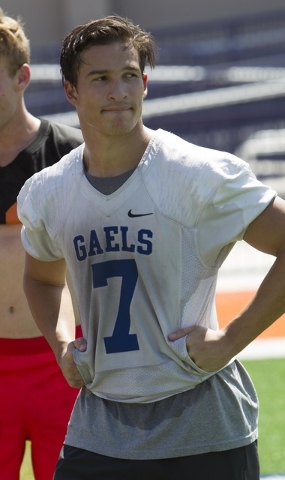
(238, 198)
(37, 234)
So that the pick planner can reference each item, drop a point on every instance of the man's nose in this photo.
(118, 90)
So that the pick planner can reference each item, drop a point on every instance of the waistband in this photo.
(28, 346)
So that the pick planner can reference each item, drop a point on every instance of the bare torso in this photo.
(15, 318)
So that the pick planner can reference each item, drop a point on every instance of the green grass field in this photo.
(269, 380)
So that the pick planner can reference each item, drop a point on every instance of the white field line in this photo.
(264, 348)
(273, 477)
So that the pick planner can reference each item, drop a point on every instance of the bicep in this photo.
(267, 232)
(52, 273)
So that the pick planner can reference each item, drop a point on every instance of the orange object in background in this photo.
(230, 303)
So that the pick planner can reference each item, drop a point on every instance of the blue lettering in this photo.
(110, 238)
(125, 247)
(94, 247)
(116, 239)
(80, 248)
(147, 249)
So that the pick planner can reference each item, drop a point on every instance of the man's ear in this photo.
(70, 92)
(145, 80)
(23, 77)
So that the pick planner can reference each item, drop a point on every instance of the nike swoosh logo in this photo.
(133, 215)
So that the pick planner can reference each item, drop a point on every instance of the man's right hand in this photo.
(68, 366)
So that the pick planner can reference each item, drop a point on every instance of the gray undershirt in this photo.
(108, 185)
(219, 414)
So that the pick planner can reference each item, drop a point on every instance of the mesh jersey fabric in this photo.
(180, 212)
(199, 200)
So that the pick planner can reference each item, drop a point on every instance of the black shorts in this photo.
(237, 464)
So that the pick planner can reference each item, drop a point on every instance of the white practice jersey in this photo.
(144, 260)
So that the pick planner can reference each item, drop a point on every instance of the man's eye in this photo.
(99, 79)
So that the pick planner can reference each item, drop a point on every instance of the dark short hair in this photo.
(104, 31)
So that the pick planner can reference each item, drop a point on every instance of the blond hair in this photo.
(14, 45)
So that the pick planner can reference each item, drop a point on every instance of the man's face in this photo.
(8, 95)
(110, 89)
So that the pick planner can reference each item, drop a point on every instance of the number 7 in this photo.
(121, 340)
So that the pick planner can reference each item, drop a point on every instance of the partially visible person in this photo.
(143, 220)
(36, 401)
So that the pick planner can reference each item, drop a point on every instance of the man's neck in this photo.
(115, 156)
(17, 135)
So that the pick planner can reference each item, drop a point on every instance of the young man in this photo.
(143, 220)
(36, 401)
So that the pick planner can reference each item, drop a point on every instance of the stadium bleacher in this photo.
(216, 84)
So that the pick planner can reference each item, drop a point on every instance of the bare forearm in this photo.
(43, 285)
(44, 302)
(212, 350)
(266, 307)
(58, 328)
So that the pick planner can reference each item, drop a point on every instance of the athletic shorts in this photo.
(237, 464)
(36, 403)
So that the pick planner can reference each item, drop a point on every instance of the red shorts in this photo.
(36, 402)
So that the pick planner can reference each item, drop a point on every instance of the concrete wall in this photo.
(47, 21)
